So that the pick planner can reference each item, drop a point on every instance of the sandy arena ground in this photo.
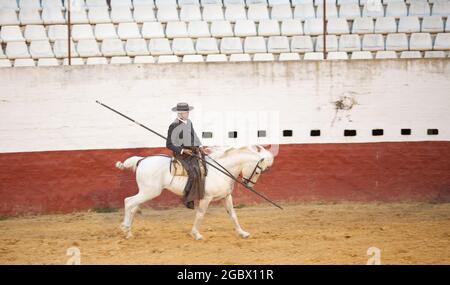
(300, 234)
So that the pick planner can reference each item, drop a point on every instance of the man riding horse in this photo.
(185, 145)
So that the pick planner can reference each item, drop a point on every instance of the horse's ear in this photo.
(260, 148)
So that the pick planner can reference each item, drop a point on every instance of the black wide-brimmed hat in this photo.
(182, 107)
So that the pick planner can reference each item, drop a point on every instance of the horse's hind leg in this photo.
(202, 207)
(230, 209)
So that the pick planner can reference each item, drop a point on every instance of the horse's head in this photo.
(263, 160)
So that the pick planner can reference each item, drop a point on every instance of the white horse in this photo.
(153, 175)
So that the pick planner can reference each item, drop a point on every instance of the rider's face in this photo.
(183, 115)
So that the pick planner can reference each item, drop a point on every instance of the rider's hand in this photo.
(187, 151)
(203, 150)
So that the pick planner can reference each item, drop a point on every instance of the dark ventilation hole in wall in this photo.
(315, 133)
(349, 133)
(261, 134)
(232, 135)
(377, 132)
(287, 133)
(207, 135)
(432, 132)
(406, 132)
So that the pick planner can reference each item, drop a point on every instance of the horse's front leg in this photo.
(202, 207)
(230, 209)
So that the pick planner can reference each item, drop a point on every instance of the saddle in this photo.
(177, 169)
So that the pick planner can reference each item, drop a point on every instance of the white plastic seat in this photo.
(331, 11)
(112, 47)
(257, 12)
(235, 12)
(434, 54)
(447, 25)
(385, 25)
(302, 44)
(374, 9)
(121, 4)
(47, 62)
(420, 41)
(189, 2)
(363, 26)
(96, 3)
(78, 17)
(441, 9)
(349, 43)
(255, 45)
(35, 33)
(2, 55)
(304, 12)
(121, 14)
(268, 28)
(96, 61)
(281, 12)
(230, 45)
(206, 46)
(213, 13)
(386, 54)
(98, 15)
(313, 27)
(227, 3)
(419, 9)
(337, 26)
(167, 13)
(442, 41)
(291, 27)
(396, 9)
(409, 24)
(75, 5)
(152, 30)
(313, 56)
(159, 47)
(17, 50)
(221, 29)
(105, 31)
(176, 30)
(337, 55)
(144, 59)
(168, 59)
(278, 44)
(349, 11)
(189, 58)
(162, 3)
(128, 31)
(60, 49)
(40, 49)
(289, 56)
(82, 32)
(135, 47)
(88, 48)
(373, 42)
(29, 16)
(244, 28)
(410, 54)
(57, 32)
(8, 17)
(216, 58)
(143, 2)
(396, 42)
(243, 57)
(24, 62)
(144, 13)
(183, 46)
(5, 63)
(331, 41)
(11, 34)
(9, 4)
(253, 2)
(198, 29)
(263, 57)
(51, 15)
(344, 2)
(73, 61)
(432, 24)
(120, 60)
(361, 55)
(190, 13)
(23, 4)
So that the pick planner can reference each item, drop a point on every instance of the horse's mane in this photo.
(221, 151)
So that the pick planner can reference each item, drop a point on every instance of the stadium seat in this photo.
(135, 47)
(60, 49)
(190, 13)
(396, 42)
(183, 46)
(419, 9)
(361, 55)
(162, 3)
(291, 27)
(47, 62)
(57, 32)
(82, 32)
(176, 30)
(255, 45)
(349, 43)
(213, 13)
(35, 33)
(9, 4)
(73, 61)
(257, 12)
(128, 31)
(8, 17)
(386, 55)
(253, 2)
(374, 9)
(337, 55)
(240, 57)
(96, 3)
(88, 48)
(159, 47)
(198, 29)
(313, 27)
(385, 25)
(295, 3)
(189, 58)
(273, 3)
(263, 57)
(5, 63)
(291, 56)
(268, 28)
(167, 13)
(278, 44)
(17, 50)
(331, 11)
(221, 29)
(363, 26)
(210, 2)
(144, 13)
(144, 59)
(432, 24)
(168, 59)
(420, 41)
(244, 28)
(332, 43)
(143, 2)
(313, 56)
(112, 47)
(373, 42)
(349, 11)
(40, 49)
(441, 8)
(207, 46)
(78, 17)
(230, 45)
(189, 2)
(98, 15)
(410, 54)
(121, 4)
(152, 30)
(51, 16)
(304, 12)
(24, 62)
(227, 3)
(302, 44)
(11, 34)
(434, 54)
(337, 26)
(396, 10)
(442, 41)
(409, 24)
(120, 60)
(105, 31)
(2, 54)
(447, 25)
(281, 12)
(121, 14)
(235, 12)
(24, 4)
(216, 58)
(29, 16)
(96, 61)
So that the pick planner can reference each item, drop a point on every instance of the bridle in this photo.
(257, 166)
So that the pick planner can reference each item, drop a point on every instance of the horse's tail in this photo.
(129, 163)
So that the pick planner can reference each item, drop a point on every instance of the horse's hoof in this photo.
(244, 234)
(129, 235)
(197, 236)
